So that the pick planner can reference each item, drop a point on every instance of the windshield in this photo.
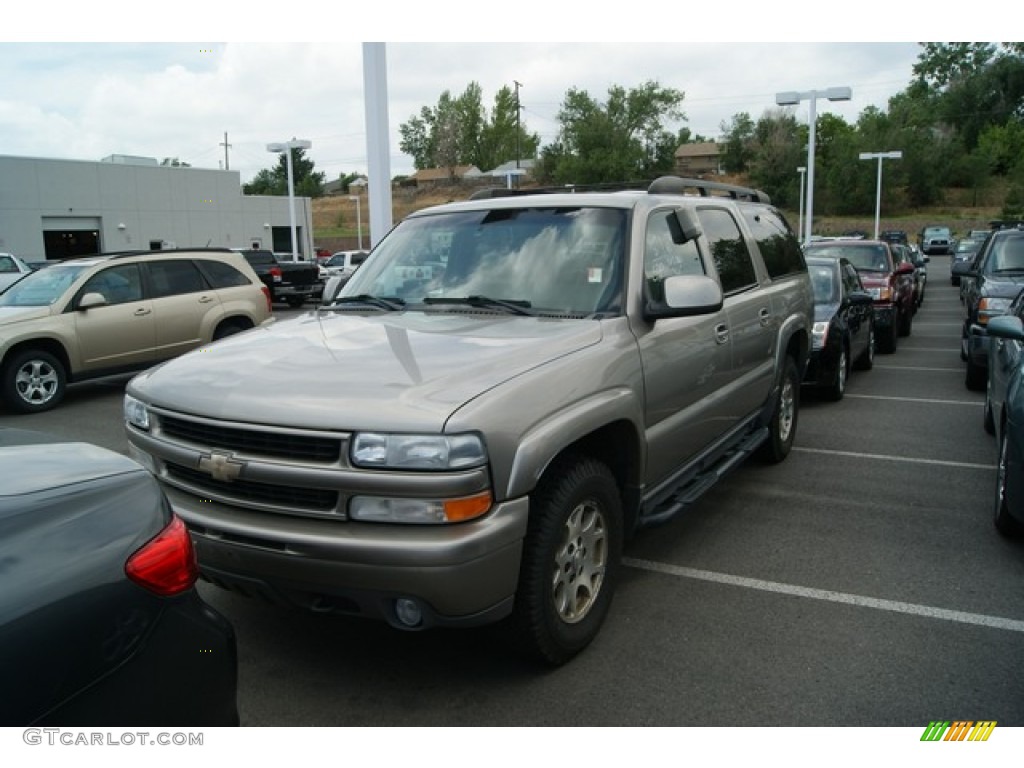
(42, 288)
(1006, 255)
(874, 257)
(559, 260)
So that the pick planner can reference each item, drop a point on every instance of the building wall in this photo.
(133, 206)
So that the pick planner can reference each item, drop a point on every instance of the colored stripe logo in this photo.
(958, 730)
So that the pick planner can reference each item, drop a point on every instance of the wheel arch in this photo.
(52, 346)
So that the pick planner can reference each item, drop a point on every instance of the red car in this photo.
(889, 280)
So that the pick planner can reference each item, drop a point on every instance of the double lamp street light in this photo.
(791, 98)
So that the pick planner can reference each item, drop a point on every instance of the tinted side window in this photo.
(776, 241)
(664, 258)
(173, 278)
(117, 284)
(221, 275)
(728, 249)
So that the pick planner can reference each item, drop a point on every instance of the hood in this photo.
(1004, 285)
(9, 315)
(340, 371)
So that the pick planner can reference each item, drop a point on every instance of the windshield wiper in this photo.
(515, 306)
(389, 303)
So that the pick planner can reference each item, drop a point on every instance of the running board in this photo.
(696, 484)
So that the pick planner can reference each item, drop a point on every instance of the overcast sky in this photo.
(85, 100)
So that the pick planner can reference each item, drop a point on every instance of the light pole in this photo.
(790, 98)
(880, 156)
(287, 147)
(802, 170)
(359, 220)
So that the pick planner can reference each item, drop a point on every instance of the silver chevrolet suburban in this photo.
(504, 392)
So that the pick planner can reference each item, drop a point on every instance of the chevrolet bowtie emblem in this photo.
(221, 467)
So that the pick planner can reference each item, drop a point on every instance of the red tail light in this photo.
(166, 564)
(277, 274)
(270, 301)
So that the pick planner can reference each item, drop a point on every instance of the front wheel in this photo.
(782, 428)
(867, 359)
(570, 559)
(33, 381)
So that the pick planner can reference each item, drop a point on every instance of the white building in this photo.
(51, 209)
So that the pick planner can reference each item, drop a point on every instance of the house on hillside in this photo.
(698, 159)
(437, 176)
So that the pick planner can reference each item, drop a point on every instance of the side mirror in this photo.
(90, 300)
(684, 226)
(686, 296)
(1006, 327)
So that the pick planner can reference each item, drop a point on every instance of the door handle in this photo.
(142, 312)
(204, 299)
(765, 317)
(721, 333)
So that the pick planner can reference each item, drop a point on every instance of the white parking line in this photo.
(911, 609)
(933, 400)
(905, 459)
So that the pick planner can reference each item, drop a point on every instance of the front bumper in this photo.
(459, 574)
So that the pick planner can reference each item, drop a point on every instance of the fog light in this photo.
(408, 612)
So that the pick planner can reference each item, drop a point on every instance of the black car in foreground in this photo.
(844, 325)
(100, 621)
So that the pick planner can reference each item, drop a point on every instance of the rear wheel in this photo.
(906, 321)
(570, 559)
(989, 421)
(889, 339)
(976, 377)
(1006, 524)
(295, 301)
(782, 428)
(33, 381)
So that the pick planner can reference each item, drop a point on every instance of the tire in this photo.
(889, 340)
(782, 427)
(867, 359)
(988, 421)
(906, 321)
(976, 378)
(570, 562)
(228, 329)
(1006, 524)
(295, 301)
(33, 381)
(837, 389)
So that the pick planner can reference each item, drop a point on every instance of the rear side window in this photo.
(174, 278)
(221, 275)
(728, 249)
(776, 241)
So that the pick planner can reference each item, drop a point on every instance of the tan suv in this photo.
(111, 313)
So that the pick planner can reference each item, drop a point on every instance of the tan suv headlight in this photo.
(376, 450)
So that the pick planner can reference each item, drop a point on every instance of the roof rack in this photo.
(676, 185)
(618, 186)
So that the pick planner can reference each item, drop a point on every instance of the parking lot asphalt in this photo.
(859, 583)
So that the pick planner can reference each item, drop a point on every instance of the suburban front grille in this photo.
(282, 445)
(311, 499)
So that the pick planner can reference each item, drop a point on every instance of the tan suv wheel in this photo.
(33, 381)
(570, 559)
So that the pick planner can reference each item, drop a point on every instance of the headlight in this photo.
(136, 413)
(819, 335)
(989, 308)
(876, 293)
(374, 450)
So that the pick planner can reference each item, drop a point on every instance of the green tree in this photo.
(459, 131)
(274, 181)
(774, 151)
(738, 144)
(622, 139)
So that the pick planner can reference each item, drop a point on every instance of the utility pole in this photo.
(225, 144)
(518, 108)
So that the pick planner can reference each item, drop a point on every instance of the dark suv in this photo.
(995, 279)
(888, 279)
